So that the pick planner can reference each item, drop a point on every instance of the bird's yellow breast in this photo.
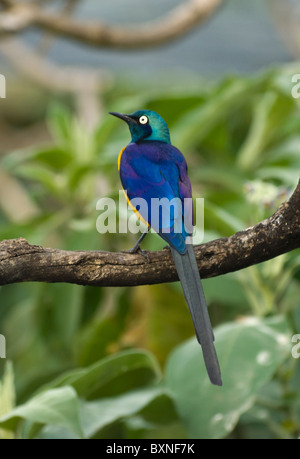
(119, 158)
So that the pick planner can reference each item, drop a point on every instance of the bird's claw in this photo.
(137, 250)
(134, 249)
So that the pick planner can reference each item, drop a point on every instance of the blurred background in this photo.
(123, 362)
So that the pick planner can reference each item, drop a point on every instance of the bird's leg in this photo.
(136, 246)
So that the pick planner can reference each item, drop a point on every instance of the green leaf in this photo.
(289, 176)
(112, 375)
(54, 157)
(51, 155)
(43, 175)
(173, 106)
(7, 396)
(59, 122)
(60, 308)
(227, 291)
(98, 414)
(225, 177)
(249, 352)
(222, 220)
(270, 112)
(55, 407)
(102, 331)
(196, 123)
(109, 414)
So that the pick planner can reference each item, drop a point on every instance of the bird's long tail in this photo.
(188, 273)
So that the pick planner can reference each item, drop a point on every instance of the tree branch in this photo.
(174, 24)
(22, 262)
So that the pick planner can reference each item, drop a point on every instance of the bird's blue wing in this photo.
(154, 171)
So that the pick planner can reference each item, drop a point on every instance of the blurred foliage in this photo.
(123, 362)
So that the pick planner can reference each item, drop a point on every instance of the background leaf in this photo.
(55, 407)
(249, 352)
(112, 375)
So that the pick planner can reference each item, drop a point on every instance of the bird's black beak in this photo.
(122, 116)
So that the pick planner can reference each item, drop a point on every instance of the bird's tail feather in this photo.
(188, 273)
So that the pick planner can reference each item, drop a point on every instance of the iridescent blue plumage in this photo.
(158, 170)
(153, 169)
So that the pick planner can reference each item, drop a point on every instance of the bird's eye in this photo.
(143, 119)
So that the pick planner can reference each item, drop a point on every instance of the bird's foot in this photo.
(137, 250)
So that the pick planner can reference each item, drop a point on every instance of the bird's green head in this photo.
(145, 125)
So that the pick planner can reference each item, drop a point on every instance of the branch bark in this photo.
(179, 21)
(280, 233)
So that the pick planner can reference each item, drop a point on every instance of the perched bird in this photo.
(151, 168)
